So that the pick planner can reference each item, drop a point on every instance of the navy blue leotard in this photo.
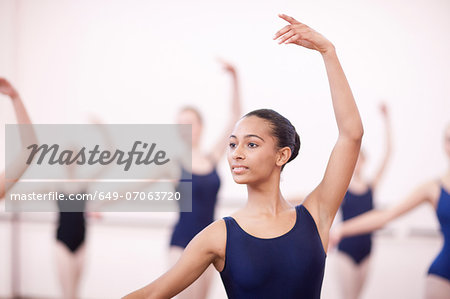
(441, 264)
(357, 247)
(289, 266)
(71, 225)
(204, 197)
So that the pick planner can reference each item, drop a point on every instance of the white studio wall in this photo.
(140, 61)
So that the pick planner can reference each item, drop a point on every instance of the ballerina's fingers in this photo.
(289, 19)
(295, 38)
(286, 36)
(282, 31)
(295, 34)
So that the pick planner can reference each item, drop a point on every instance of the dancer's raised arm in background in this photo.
(27, 136)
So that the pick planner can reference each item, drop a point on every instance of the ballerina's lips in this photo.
(238, 168)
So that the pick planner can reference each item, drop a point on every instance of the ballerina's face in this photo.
(252, 151)
(189, 117)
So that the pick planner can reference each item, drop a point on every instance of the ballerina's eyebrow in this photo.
(248, 136)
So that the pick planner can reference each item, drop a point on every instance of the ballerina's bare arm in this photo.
(221, 145)
(388, 146)
(324, 201)
(376, 219)
(27, 135)
(208, 247)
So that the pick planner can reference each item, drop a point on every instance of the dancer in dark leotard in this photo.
(353, 256)
(252, 262)
(204, 197)
(441, 264)
(205, 185)
(270, 249)
(358, 247)
(435, 193)
(70, 247)
(71, 225)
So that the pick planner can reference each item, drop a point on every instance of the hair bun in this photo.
(296, 148)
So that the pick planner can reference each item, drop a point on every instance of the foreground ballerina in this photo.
(270, 249)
